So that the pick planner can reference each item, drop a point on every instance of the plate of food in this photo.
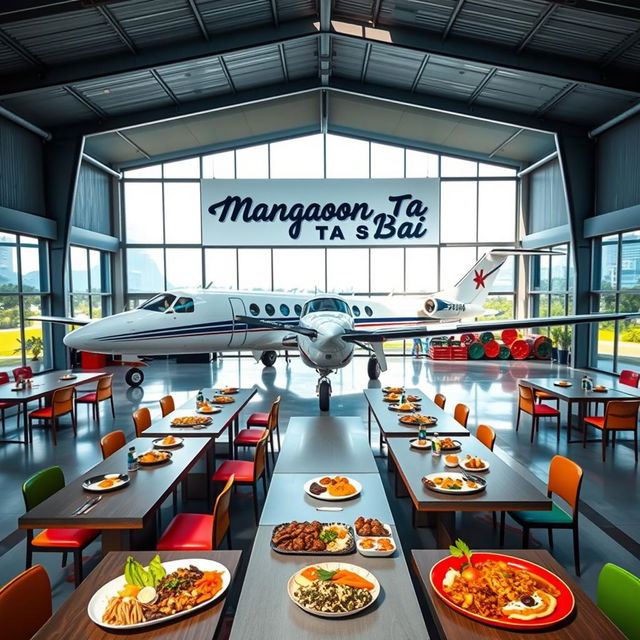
(501, 590)
(405, 407)
(562, 383)
(169, 442)
(391, 397)
(333, 589)
(452, 482)
(159, 593)
(68, 376)
(474, 463)
(153, 457)
(376, 547)
(333, 488)
(222, 399)
(388, 390)
(309, 538)
(206, 408)
(191, 421)
(371, 528)
(416, 443)
(418, 420)
(451, 460)
(106, 482)
(600, 388)
(447, 444)
(228, 391)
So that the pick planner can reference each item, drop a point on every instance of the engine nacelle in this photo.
(450, 309)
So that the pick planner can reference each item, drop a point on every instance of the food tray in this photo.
(350, 549)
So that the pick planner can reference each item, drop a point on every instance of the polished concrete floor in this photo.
(610, 521)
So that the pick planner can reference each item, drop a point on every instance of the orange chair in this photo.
(104, 391)
(4, 379)
(261, 420)
(545, 395)
(486, 435)
(440, 400)
(565, 480)
(25, 604)
(246, 472)
(618, 416)
(200, 531)
(632, 378)
(251, 437)
(461, 414)
(112, 442)
(536, 410)
(141, 420)
(167, 405)
(61, 405)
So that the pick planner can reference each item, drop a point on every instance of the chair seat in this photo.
(7, 405)
(243, 470)
(249, 436)
(187, 532)
(596, 421)
(545, 410)
(65, 537)
(552, 518)
(258, 420)
(89, 398)
(44, 412)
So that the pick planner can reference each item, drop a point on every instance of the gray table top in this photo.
(46, 383)
(287, 501)
(506, 489)
(326, 445)
(390, 426)
(266, 611)
(575, 393)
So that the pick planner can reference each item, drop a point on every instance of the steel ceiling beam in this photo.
(620, 8)
(21, 50)
(375, 12)
(621, 49)
(198, 17)
(452, 18)
(502, 145)
(16, 10)
(283, 62)
(85, 101)
(164, 86)
(539, 23)
(105, 12)
(274, 13)
(129, 141)
(420, 73)
(227, 75)
(481, 85)
(553, 101)
(324, 48)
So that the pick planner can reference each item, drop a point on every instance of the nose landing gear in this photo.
(373, 368)
(324, 391)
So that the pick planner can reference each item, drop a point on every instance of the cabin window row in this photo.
(285, 311)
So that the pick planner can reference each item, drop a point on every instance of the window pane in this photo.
(10, 327)
(630, 261)
(154, 171)
(559, 272)
(80, 306)
(301, 269)
(421, 164)
(496, 211)
(421, 269)
(96, 307)
(353, 263)
(387, 270)
(502, 304)
(8, 263)
(220, 268)
(505, 280)
(347, 158)
(457, 168)
(34, 335)
(184, 268)
(609, 263)
(143, 212)
(606, 334)
(30, 259)
(629, 334)
(189, 168)
(458, 207)
(182, 212)
(145, 270)
(95, 271)
(298, 158)
(219, 165)
(79, 273)
(557, 305)
(254, 269)
(253, 162)
(539, 273)
(454, 263)
(387, 161)
(493, 170)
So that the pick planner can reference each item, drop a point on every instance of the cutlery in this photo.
(87, 505)
(329, 508)
(93, 506)
(478, 479)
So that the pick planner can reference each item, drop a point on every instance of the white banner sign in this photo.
(320, 212)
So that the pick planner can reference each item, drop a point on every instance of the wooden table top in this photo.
(73, 613)
(45, 384)
(287, 501)
(388, 420)
(219, 421)
(266, 611)
(506, 489)
(124, 508)
(587, 622)
(575, 393)
(326, 445)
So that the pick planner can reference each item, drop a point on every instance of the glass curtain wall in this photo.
(89, 283)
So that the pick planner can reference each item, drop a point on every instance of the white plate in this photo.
(292, 586)
(101, 597)
(93, 484)
(206, 413)
(448, 464)
(472, 469)
(464, 490)
(157, 443)
(326, 495)
(373, 553)
(415, 445)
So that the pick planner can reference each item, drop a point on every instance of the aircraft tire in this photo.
(373, 368)
(269, 358)
(134, 377)
(324, 395)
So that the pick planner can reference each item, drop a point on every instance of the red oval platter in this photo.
(566, 600)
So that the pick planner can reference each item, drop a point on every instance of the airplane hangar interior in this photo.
(317, 309)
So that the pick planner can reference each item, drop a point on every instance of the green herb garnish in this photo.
(135, 573)
(328, 535)
(461, 549)
(323, 574)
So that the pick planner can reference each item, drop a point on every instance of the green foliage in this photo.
(503, 305)
(631, 335)
(564, 340)
(556, 335)
(34, 344)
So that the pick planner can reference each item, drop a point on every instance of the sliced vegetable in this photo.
(328, 535)
(135, 573)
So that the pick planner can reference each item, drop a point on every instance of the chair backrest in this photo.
(22, 373)
(440, 399)
(621, 415)
(526, 400)
(632, 378)
(274, 413)
(260, 456)
(141, 420)
(486, 435)
(62, 401)
(104, 390)
(221, 517)
(565, 480)
(618, 598)
(167, 405)
(42, 485)
(25, 604)
(461, 414)
(112, 442)
(4, 377)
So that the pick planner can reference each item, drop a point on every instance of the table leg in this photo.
(115, 540)
(230, 433)
(445, 528)
(211, 465)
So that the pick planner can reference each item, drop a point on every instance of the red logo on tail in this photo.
(480, 278)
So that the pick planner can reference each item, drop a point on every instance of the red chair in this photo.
(251, 437)
(538, 410)
(22, 373)
(632, 378)
(4, 379)
(618, 416)
(261, 420)
(61, 405)
(104, 391)
(200, 531)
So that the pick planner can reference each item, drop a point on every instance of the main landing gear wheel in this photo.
(268, 358)
(324, 394)
(373, 368)
(134, 377)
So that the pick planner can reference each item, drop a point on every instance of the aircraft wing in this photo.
(60, 320)
(445, 329)
(278, 326)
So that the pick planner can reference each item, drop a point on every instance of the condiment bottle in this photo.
(132, 460)
(199, 398)
(422, 433)
(435, 445)
(583, 383)
(403, 399)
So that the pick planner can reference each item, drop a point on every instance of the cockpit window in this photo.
(183, 305)
(159, 303)
(326, 304)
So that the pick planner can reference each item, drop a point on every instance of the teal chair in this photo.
(618, 598)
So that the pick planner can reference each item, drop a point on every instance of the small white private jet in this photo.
(324, 328)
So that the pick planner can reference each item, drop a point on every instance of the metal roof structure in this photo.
(155, 78)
